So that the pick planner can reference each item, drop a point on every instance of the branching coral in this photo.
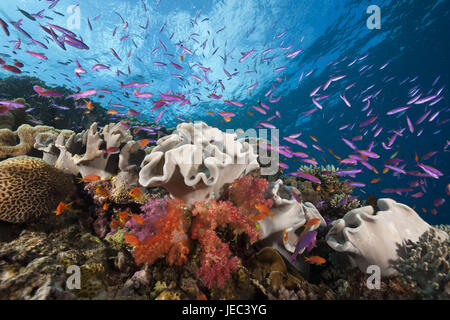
(170, 238)
(426, 267)
(247, 192)
(216, 263)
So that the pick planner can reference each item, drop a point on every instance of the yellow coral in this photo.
(30, 188)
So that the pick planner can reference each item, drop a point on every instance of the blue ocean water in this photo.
(406, 57)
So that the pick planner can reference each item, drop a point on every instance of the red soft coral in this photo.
(249, 191)
(216, 261)
(170, 238)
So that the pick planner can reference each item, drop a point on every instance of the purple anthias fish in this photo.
(306, 240)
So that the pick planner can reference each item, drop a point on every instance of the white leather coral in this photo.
(371, 238)
(196, 162)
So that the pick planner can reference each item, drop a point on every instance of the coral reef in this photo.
(170, 238)
(374, 239)
(53, 112)
(153, 210)
(216, 266)
(30, 188)
(104, 153)
(333, 197)
(196, 162)
(21, 141)
(247, 192)
(276, 281)
(426, 266)
(33, 266)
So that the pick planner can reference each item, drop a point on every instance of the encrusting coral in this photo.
(196, 162)
(30, 188)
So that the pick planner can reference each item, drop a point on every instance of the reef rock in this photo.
(34, 266)
(196, 162)
(377, 238)
(30, 188)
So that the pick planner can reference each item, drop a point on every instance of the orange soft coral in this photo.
(247, 192)
(170, 238)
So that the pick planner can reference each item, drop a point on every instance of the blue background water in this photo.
(413, 38)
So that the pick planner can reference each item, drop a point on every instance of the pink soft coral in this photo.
(170, 238)
(153, 210)
(247, 192)
(216, 261)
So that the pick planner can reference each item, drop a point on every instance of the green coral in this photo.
(116, 239)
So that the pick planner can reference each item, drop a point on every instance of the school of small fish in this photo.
(373, 149)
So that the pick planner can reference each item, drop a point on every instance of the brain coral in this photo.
(30, 188)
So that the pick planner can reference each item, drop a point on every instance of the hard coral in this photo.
(247, 192)
(170, 238)
(30, 188)
(426, 267)
(21, 142)
(216, 264)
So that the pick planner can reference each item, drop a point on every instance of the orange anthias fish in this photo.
(90, 178)
(375, 180)
(112, 111)
(313, 138)
(136, 194)
(62, 207)
(138, 218)
(312, 223)
(102, 192)
(263, 212)
(105, 206)
(143, 143)
(132, 240)
(89, 104)
(315, 260)
(114, 224)
(124, 216)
